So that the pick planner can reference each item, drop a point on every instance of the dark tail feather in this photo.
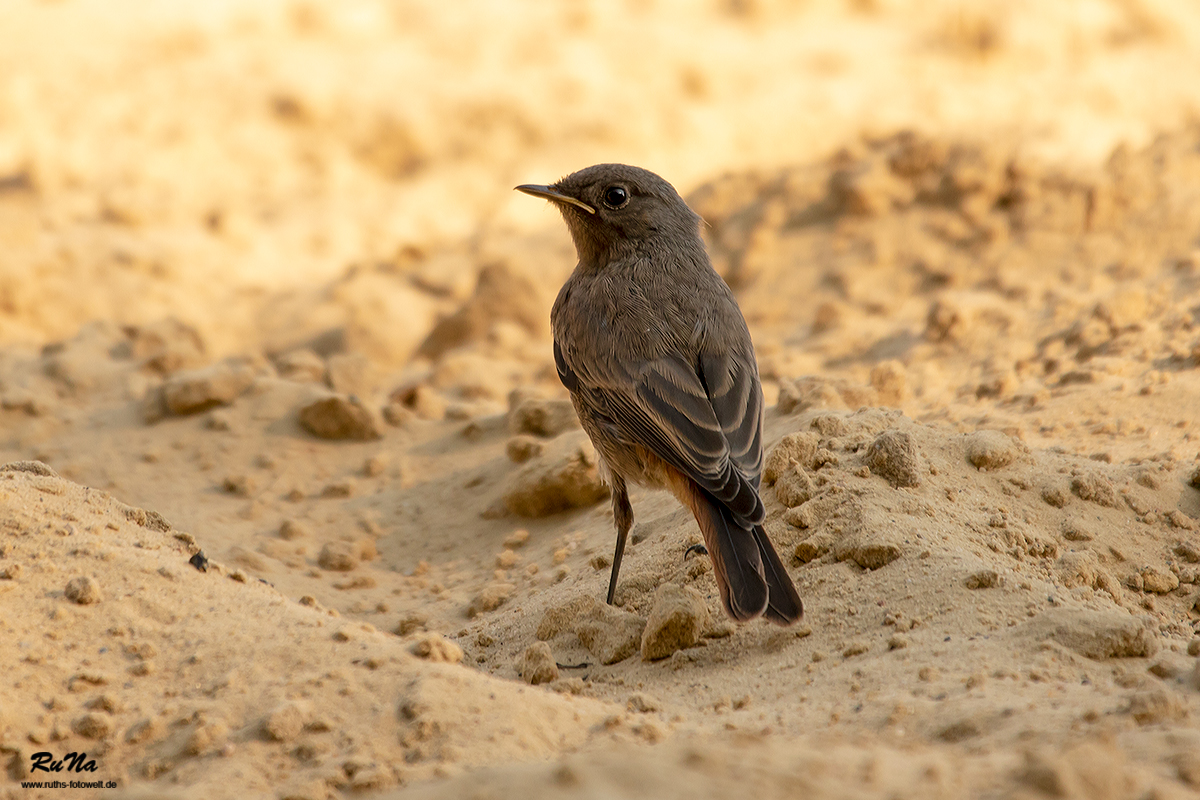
(784, 606)
(737, 563)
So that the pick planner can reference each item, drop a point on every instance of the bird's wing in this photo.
(703, 420)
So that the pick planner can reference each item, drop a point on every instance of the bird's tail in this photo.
(784, 606)
(752, 580)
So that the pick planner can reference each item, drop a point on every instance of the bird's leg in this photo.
(623, 520)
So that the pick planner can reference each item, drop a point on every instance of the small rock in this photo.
(84, 590)
(397, 415)
(32, 467)
(830, 425)
(338, 557)
(983, 579)
(642, 703)
(1095, 634)
(537, 665)
(544, 418)
(1095, 488)
(522, 448)
(794, 487)
(492, 596)
(855, 648)
(893, 455)
(1076, 530)
(959, 731)
(374, 466)
(435, 647)
(1169, 665)
(610, 634)
(291, 530)
(145, 728)
(341, 417)
(503, 292)
(1056, 496)
(516, 539)
(422, 400)
(1156, 705)
(561, 619)
(798, 447)
(991, 449)
(198, 390)
(1158, 581)
(869, 550)
(285, 722)
(677, 619)
(242, 485)
(208, 735)
(1188, 551)
(302, 366)
(410, 623)
(93, 726)
(812, 548)
(567, 476)
(166, 345)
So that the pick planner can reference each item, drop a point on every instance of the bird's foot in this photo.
(696, 549)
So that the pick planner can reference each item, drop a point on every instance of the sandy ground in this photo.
(268, 307)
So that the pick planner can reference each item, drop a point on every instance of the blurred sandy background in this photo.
(262, 272)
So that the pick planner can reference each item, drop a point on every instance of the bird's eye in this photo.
(615, 196)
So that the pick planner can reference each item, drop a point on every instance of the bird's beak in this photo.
(550, 194)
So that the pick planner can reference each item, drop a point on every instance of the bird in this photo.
(656, 355)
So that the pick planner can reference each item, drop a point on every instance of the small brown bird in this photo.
(656, 355)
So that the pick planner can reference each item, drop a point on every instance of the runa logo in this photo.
(71, 762)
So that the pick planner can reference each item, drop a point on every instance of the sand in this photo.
(294, 506)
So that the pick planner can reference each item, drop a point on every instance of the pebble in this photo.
(991, 449)
(411, 622)
(435, 647)
(642, 703)
(520, 449)
(84, 590)
(302, 366)
(610, 634)
(677, 618)
(561, 618)
(1156, 705)
(338, 557)
(93, 726)
(192, 391)
(490, 598)
(794, 487)
(341, 417)
(566, 476)
(983, 579)
(1095, 488)
(1096, 634)
(799, 447)
(540, 417)
(516, 539)
(285, 722)
(537, 665)
(893, 456)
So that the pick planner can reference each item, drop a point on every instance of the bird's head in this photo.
(612, 209)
